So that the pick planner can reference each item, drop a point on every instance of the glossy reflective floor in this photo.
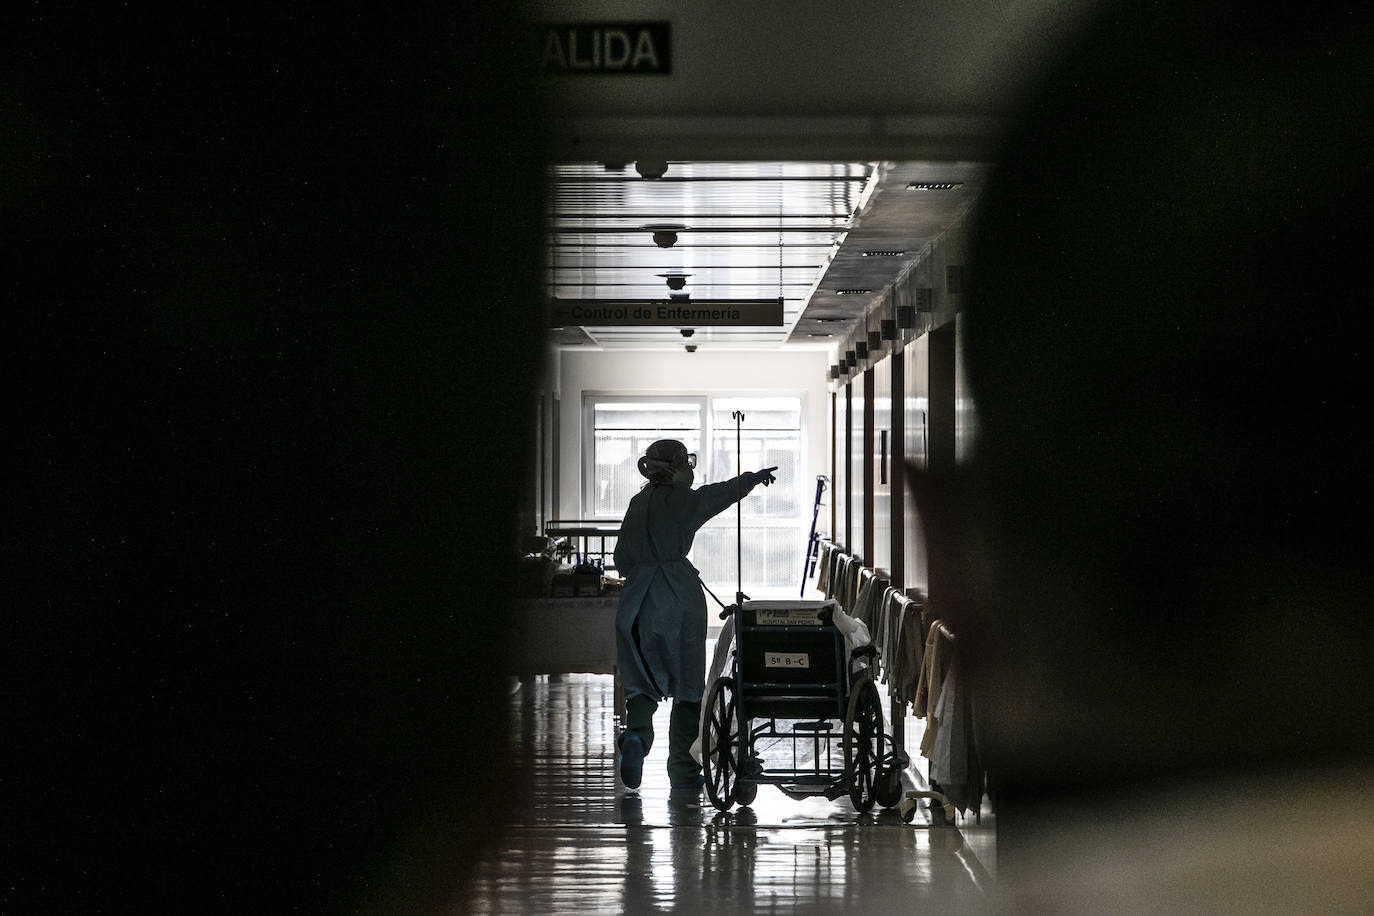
(579, 842)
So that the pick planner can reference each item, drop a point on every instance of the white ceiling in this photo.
(750, 230)
(779, 121)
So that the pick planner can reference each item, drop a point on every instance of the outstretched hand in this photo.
(765, 476)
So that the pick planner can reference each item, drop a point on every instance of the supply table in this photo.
(566, 636)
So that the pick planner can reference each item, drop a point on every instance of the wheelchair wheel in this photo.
(720, 744)
(863, 745)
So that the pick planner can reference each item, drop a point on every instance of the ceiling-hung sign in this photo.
(606, 47)
(704, 313)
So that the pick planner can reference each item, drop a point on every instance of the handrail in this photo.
(581, 524)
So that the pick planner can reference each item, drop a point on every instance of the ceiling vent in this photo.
(852, 292)
(934, 185)
(884, 254)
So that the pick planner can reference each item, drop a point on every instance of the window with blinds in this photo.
(617, 430)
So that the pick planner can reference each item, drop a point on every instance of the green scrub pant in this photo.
(683, 724)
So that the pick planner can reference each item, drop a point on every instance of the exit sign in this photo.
(606, 47)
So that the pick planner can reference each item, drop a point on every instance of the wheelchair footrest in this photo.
(812, 727)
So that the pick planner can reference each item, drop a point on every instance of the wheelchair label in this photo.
(786, 660)
(786, 617)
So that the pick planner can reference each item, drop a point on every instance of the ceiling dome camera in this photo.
(688, 332)
(677, 281)
(691, 348)
(665, 236)
(651, 168)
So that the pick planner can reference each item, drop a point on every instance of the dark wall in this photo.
(1172, 482)
(263, 504)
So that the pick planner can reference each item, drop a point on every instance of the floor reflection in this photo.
(579, 842)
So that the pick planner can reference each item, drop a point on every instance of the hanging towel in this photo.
(823, 569)
(888, 617)
(934, 662)
(946, 756)
(867, 605)
(849, 592)
(911, 651)
(842, 574)
(955, 764)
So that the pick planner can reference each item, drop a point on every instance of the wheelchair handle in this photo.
(863, 651)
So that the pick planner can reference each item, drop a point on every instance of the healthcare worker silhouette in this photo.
(660, 627)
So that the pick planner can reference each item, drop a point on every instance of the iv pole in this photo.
(740, 597)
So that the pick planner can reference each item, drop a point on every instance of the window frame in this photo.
(704, 472)
(588, 438)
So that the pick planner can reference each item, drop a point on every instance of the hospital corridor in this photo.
(580, 843)
(693, 457)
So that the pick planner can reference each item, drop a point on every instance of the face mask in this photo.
(683, 478)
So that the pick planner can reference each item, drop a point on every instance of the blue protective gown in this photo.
(660, 627)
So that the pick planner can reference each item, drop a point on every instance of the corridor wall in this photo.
(880, 466)
(858, 460)
(915, 400)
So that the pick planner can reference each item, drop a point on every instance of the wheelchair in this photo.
(791, 681)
